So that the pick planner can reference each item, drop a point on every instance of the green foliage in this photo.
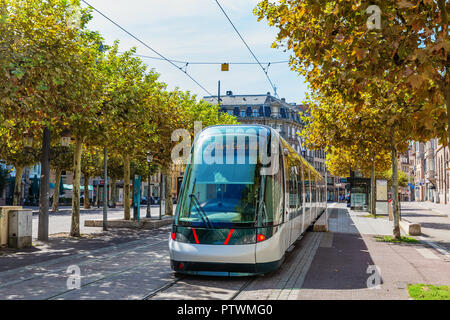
(387, 175)
(403, 66)
(61, 158)
(391, 239)
(428, 292)
(91, 162)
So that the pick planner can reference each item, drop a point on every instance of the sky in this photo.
(197, 30)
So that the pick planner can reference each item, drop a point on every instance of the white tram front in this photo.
(246, 197)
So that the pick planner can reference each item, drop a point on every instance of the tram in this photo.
(246, 197)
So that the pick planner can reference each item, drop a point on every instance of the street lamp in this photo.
(149, 160)
(65, 138)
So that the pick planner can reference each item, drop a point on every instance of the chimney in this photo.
(229, 93)
(268, 93)
(283, 99)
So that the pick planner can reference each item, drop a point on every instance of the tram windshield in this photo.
(223, 179)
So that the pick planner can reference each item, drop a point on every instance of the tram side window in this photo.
(292, 189)
(273, 199)
(300, 191)
(307, 190)
(313, 191)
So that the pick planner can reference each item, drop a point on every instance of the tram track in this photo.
(88, 262)
(242, 288)
(161, 289)
(111, 275)
(172, 283)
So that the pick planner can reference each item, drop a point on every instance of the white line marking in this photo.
(441, 250)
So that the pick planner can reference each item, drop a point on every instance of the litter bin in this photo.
(20, 228)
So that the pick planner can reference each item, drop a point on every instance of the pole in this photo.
(105, 191)
(44, 187)
(136, 197)
(162, 202)
(148, 215)
(326, 192)
(218, 93)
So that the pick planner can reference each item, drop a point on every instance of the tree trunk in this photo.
(113, 192)
(373, 198)
(126, 188)
(18, 186)
(75, 226)
(87, 203)
(445, 87)
(55, 204)
(169, 200)
(396, 230)
(44, 188)
(447, 102)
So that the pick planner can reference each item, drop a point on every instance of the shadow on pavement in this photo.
(343, 265)
(441, 226)
(63, 246)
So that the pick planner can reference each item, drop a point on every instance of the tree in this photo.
(331, 38)
(14, 151)
(48, 76)
(373, 69)
(91, 166)
(387, 175)
(61, 159)
(115, 172)
(127, 120)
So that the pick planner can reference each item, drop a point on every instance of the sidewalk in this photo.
(344, 265)
(341, 264)
(440, 208)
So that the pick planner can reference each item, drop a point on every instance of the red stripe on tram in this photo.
(229, 236)
(195, 236)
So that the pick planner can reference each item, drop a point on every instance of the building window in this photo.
(267, 111)
(255, 112)
(243, 113)
(249, 111)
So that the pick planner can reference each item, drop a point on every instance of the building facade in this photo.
(442, 174)
(430, 171)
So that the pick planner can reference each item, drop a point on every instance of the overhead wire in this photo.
(146, 45)
(254, 56)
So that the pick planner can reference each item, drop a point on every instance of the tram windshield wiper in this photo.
(202, 212)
